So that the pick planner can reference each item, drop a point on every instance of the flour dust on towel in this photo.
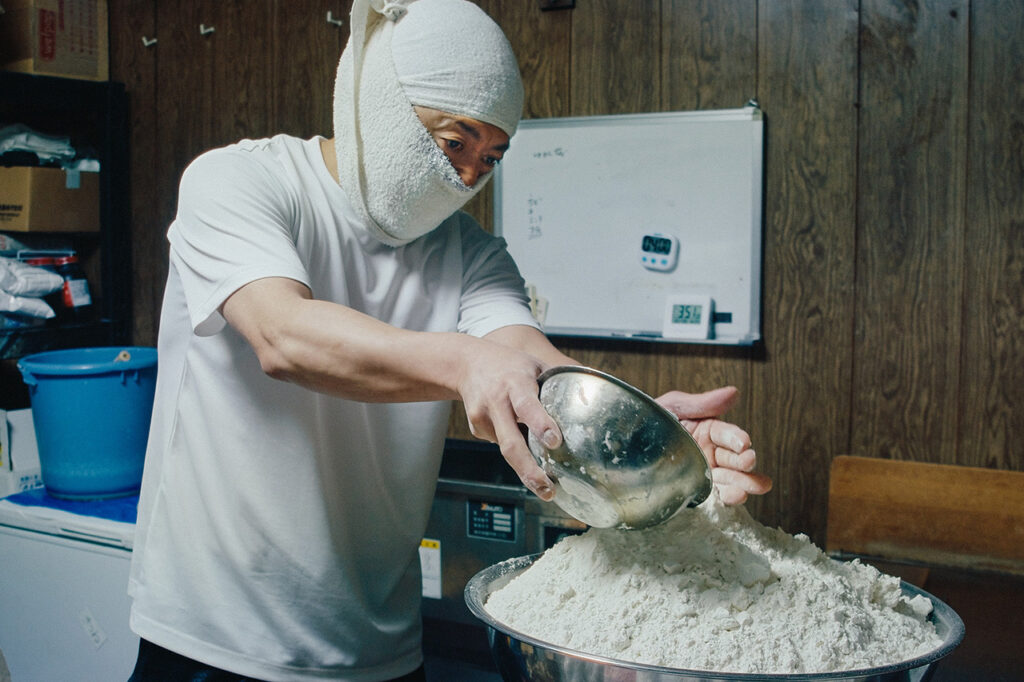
(712, 589)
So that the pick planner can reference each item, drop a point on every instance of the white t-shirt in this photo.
(278, 527)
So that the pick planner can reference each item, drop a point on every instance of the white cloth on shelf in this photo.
(48, 148)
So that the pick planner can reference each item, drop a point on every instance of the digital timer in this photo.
(659, 251)
(687, 316)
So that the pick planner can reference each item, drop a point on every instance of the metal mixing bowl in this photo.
(521, 658)
(625, 461)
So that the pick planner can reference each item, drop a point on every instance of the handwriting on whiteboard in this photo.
(534, 218)
(549, 153)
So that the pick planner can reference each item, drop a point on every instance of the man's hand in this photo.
(498, 387)
(726, 446)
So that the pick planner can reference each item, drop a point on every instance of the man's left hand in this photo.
(726, 446)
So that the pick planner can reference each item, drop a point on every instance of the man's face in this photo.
(473, 147)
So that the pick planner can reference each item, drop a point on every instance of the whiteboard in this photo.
(575, 196)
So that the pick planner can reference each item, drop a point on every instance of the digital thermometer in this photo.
(687, 316)
(659, 252)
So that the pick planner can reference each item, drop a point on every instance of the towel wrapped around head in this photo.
(442, 54)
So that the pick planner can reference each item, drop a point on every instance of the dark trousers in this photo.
(156, 664)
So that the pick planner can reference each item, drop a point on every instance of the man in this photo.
(325, 303)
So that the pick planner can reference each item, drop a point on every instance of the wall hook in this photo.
(205, 30)
(148, 42)
(331, 20)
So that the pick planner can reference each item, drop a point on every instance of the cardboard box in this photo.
(34, 199)
(66, 38)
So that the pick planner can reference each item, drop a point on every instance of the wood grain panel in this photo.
(185, 81)
(910, 234)
(992, 380)
(304, 53)
(709, 54)
(187, 108)
(800, 392)
(134, 64)
(184, 105)
(243, 89)
(615, 57)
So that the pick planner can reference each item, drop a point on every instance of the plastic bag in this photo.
(21, 279)
(25, 305)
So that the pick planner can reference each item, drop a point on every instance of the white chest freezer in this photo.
(63, 595)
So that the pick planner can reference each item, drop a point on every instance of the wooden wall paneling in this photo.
(992, 378)
(134, 64)
(185, 84)
(910, 229)
(242, 55)
(807, 54)
(615, 57)
(709, 54)
(184, 107)
(304, 55)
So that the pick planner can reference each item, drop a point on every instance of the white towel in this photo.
(390, 166)
(450, 55)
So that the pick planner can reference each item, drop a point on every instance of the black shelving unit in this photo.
(95, 116)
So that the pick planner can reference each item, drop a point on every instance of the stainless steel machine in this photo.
(481, 515)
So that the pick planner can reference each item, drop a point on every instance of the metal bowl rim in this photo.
(515, 565)
(629, 388)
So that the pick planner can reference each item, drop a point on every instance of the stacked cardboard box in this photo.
(66, 38)
(34, 199)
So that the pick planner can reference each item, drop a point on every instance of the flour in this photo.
(711, 589)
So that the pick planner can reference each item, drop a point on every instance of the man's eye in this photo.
(454, 145)
(492, 161)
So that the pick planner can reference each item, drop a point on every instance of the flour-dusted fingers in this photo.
(734, 486)
(739, 461)
(729, 436)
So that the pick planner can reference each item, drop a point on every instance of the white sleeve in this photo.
(234, 225)
(493, 291)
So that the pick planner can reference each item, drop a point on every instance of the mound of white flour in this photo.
(712, 589)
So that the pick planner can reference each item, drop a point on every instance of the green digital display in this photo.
(655, 244)
(687, 313)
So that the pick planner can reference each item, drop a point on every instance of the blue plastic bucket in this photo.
(91, 408)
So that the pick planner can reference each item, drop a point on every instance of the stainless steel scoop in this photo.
(625, 461)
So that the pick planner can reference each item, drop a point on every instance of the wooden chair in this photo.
(935, 514)
(957, 532)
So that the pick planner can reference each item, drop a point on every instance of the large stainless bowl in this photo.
(521, 658)
(625, 461)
